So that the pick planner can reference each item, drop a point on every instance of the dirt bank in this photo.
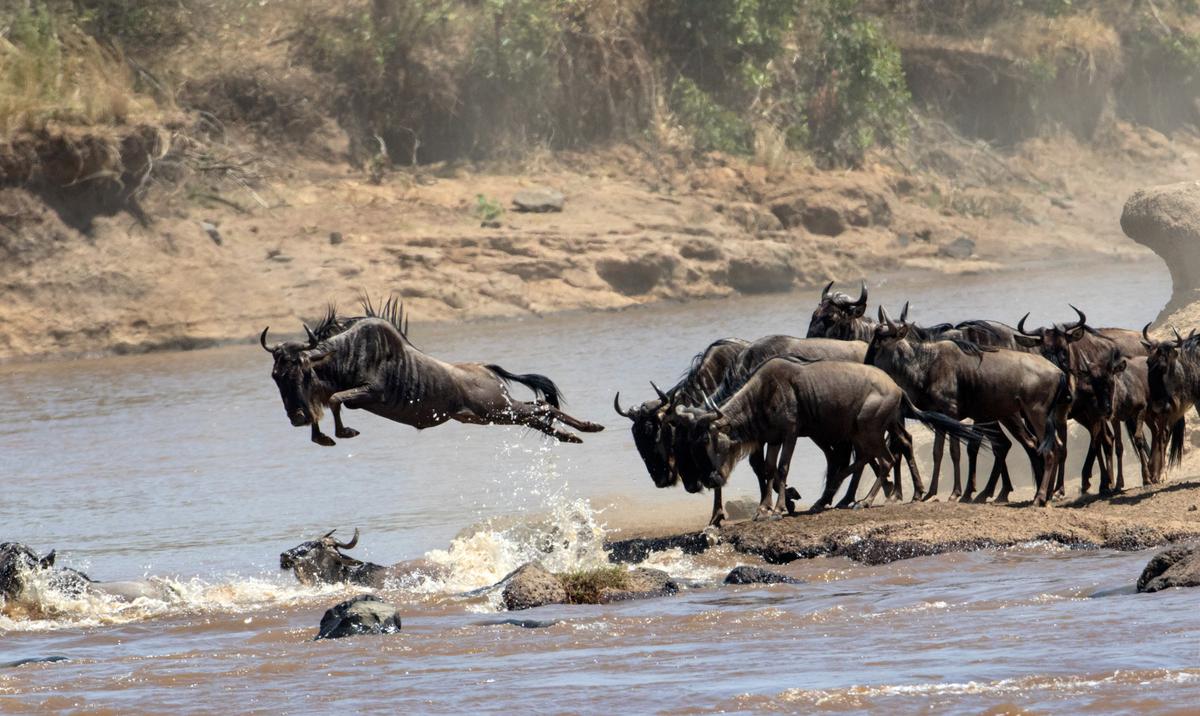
(1137, 519)
(213, 266)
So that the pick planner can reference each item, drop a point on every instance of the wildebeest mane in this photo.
(689, 386)
(390, 309)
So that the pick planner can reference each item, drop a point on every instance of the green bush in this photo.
(1162, 76)
(857, 95)
(713, 127)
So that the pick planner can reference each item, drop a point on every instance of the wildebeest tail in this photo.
(542, 386)
(945, 423)
(1061, 396)
(1175, 451)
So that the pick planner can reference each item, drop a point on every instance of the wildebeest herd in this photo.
(850, 386)
(852, 382)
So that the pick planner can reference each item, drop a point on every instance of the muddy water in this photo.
(183, 466)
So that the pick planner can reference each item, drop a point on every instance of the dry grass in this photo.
(66, 77)
(585, 586)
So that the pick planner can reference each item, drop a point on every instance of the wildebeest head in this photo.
(703, 453)
(653, 445)
(321, 561)
(1166, 372)
(293, 374)
(835, 314)
(1054, 342)
(887, 333)
(19, 564)
(1098, 380)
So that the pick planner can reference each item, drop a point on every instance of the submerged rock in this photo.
(364, 614)
(637, 549)
(641, 583)
(532, 586)
(745, 574)
(1173, 567)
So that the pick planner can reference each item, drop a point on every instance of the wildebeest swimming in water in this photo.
(372, 366)
(21, 570)
(321, 561)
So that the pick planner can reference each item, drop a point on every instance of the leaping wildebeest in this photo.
(372, 366)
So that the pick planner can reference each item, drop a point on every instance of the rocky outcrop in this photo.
(1174, 567)
(364, 614)
(538, 200)
(745, 574)
(1166, 219)
(532, 586)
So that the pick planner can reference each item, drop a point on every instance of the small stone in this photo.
(210, 228)
(538, 200)
(364, 614)
(960, 248)
(490, 224)
(335, 238)
(1192, 508)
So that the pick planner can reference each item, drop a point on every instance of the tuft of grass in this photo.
(50, 70)
(584, 586)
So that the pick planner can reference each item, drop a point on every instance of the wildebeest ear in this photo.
(902, 331)
(1076, 334)
(1027, 341)
(48, 561)
(1119, 366)
(858, 311)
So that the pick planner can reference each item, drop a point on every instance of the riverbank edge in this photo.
(1137, 519)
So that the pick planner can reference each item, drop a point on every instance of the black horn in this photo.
(1082, 317)
(347, 545)
(825, 291)
(904, 313)
(862, 295)
(1146, 333)
(262, 338)
(1021, 327)
(312, 337)
(661, 395)
(617, 407)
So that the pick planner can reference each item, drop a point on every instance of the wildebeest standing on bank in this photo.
(1174, 379)
(1024, 392)
(373, 367)
(789, 398)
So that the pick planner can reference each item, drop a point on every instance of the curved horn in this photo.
(711, 405)
(904, 313)
(1021, 327)
(1178, 338)
(312, 337)
(885, 318)
(1146, 333)
(879, 312)
(661, 395)
(862, 295)
(348, 545)
(825, 291)
(617, 407)
(262, 338)
(329, 534)
(1082, 317)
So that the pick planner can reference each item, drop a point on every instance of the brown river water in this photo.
(183, 467)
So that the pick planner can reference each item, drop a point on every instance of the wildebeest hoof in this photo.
(346, 433)
(569, 438)
(860, 505)
(979, 499)
(324, 440)
(590, 427)
(1001, 499)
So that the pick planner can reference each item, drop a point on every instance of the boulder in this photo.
(1166, 219)
(532, 586)
(1173, 567)
(538, 200)
(641, 583)
(364, 614)
(961, 248)
(757, 575)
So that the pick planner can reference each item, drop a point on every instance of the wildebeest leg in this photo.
(319, 437)
(338, 429)
(1134, 426)
(769, 471)
(758, 463)
(1060, 487)
(533, 415)
(1113, 441)
(939, 445)
(1000, 446)
(902, 446)
(783, 465)
(1085, 473)
(856, 471)
(718, 511)
(582, 426)
(837, 457)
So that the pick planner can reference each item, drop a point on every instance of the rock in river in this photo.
(757, 575)
(1177, 566)
(532, 586)
(364, 614)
